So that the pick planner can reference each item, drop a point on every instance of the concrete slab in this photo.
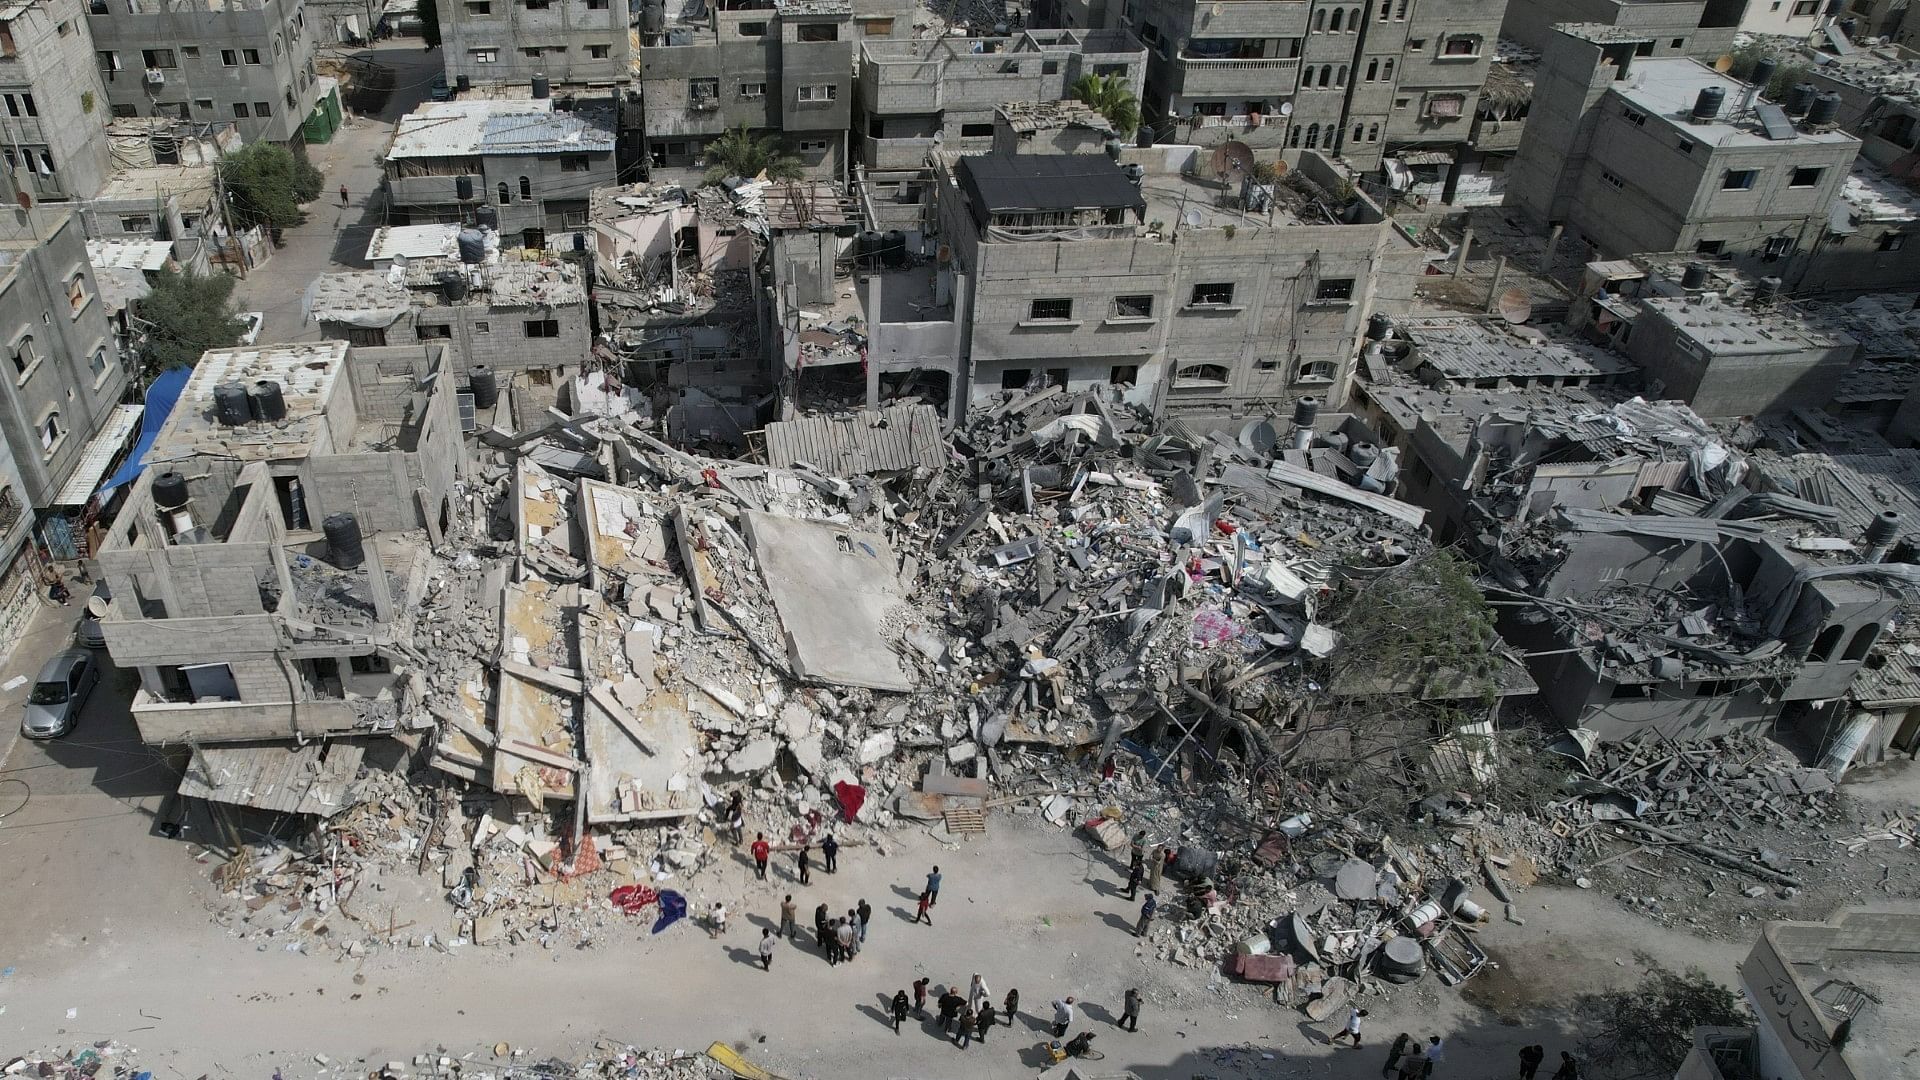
(835, 589)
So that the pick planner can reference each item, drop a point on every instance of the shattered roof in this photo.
(895, 438)
(998, 183)
(1473, 349)
(467, 128)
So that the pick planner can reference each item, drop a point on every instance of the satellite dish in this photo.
(1232, 157)
(1286, 108)
(1259, 436)
(1724, 64)
(1192, 217)
(1514, 305)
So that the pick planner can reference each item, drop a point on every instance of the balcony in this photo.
(1197, 77)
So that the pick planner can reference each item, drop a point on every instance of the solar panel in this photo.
(1774, 119)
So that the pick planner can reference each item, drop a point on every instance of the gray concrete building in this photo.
(575, 43)
(249, 610)
(1207, 299)
(245, 61)
(1728, 360)
(1665, 154)
(53, 104)
(1699, 28)
(784, 67)
(916, 92)
(510, 315)
(531, 166)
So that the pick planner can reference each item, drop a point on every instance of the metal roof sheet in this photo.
(1042, 182)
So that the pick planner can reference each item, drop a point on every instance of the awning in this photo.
(1424, 157)
(99, 454)
(161, 398)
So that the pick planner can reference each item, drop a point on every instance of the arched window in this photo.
(1293, 137)
(1862, 642)
(1326, 75)
(1824, 645)
(1340, 77)
(1373, 70)
(1373, 133)
(25, 355)
(1339, 19)
(1353, 19)
(77, 295)
(526, 188)
(1386, 70)
(1357, 130)
(504, 197)
(1320, 21)
(1313, 136)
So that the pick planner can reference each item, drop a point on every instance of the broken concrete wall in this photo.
(163, 723)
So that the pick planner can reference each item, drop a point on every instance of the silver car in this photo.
(59, 694)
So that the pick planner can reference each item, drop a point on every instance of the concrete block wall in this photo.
(567, 33)
(163, 723)
(59, 71)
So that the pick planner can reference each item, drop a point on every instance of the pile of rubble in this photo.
(105, 1058)
(609, 1060)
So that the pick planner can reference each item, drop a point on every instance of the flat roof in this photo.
(1667, 87)
(510, 283)
(413, 241)
(130, 254)
(306, 373)
(1871, 195)
(470, 128)
(1728, 328)
(998, 183)
(145, 184)
(1472, 349)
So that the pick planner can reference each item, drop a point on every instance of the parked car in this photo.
(253, 321)
(88, 634)
(59, 694)
(438, 90)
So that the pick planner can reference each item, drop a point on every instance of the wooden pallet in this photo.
(966, 820)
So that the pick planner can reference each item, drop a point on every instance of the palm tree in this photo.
(742, 153)
(1111, 99)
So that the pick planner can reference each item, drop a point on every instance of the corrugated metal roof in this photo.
(552, 133)
(895, 438)
(467, 128)
(313, 779)
(1044, 182)
(99, 455)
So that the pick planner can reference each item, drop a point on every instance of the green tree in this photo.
(187, 314)
(430, 23)
(741, 153)
(1111, 99)
(1647, 1030)
(266, 184)
(1786, 73)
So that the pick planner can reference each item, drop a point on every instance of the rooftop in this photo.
(1667, 87)
(1045, 183)
(413, 241)
(130, 254)
(469, 128)
(1026, 117)
(1474, 350)
(307, 374)
(510, 283)
(1870, 194)
(1725, 328)
(192, 183)
(1887, 325)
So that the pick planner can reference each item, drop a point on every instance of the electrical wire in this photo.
(24, 799)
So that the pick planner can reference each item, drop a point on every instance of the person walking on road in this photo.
(767, 939)
(805, 859)
(717, 921)
(950, 1003)
(920, 994)
(968, 1020)
(933, 890)
(1013, 1006)
(866, 916)
(899, 1010)
(1530, 1059)
(1062, 1016)
(1401, 1044)
(761, 852)
(343, 194)
(922, 916)
(1147, 909)
(830, 854)
(1130, 1010)
(1352, 1028)
(1569, 1069)
(984, 1021)
(789, 911)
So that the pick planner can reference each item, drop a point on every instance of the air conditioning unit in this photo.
(156, 76)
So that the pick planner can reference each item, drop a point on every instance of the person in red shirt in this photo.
(761, 851)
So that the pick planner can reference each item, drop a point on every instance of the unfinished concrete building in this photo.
(249, 62)
(267, 565)
(511, 315)
(572, 43)
(1697, 28)
(1728, 359)
(919, 93)
(51, 84)
(782, 66)
(1206, 295)
(1633, 155)
(529, 165)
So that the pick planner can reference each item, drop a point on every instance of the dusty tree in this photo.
(1646, 1030)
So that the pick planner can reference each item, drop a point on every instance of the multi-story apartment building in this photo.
(55, 105)
(1667, 154)
(783, 66)
(245, 61)
(1699, 28)
(570, 42)
(532, 165)
(916, 91)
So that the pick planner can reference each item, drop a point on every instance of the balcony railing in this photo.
(1210, 63)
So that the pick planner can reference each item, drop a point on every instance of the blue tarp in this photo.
(161, 398)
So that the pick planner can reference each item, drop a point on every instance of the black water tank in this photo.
(453, 285)
(1762, 72)
(1694, 277)
(579, 242)
(462, 83)
(653, 17)
(1378, 327)
(1884, 528)
(1143, 138)
(343, 541)
(1800, 99)
(866, 250)
(472, 244)
(486, 217)
(542, 89)
(230, 406)
(463, 188)
(893, 248)
(1707, 105)
(486, 388)
(1305, 411)
(1826, 109)
(269, 404)
(170, 490)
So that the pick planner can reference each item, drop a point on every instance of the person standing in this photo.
(717, 920)
(1137, 855)
(933, 889)
(830, 854)
(1352, 1030)
(1130, 1010)
(822, 931)
(900, 1009)
(343, 194)
(866, 916)
(767, 939)
(737, 817)
(977, 992)
(1013, 1006)
(789, 912)
(1134, 873)
(844, 935)
(984, 1021)
(1401, 1044)
(968, 1020)
(1530, 1059)
(1569, 1069)
(1062, 1016)
(1414, 1065)
(761, 852)
(950, 1002)
(1146, 915)
(922, 916)
(804, 859)
(1436, 1050)
(853, 929)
